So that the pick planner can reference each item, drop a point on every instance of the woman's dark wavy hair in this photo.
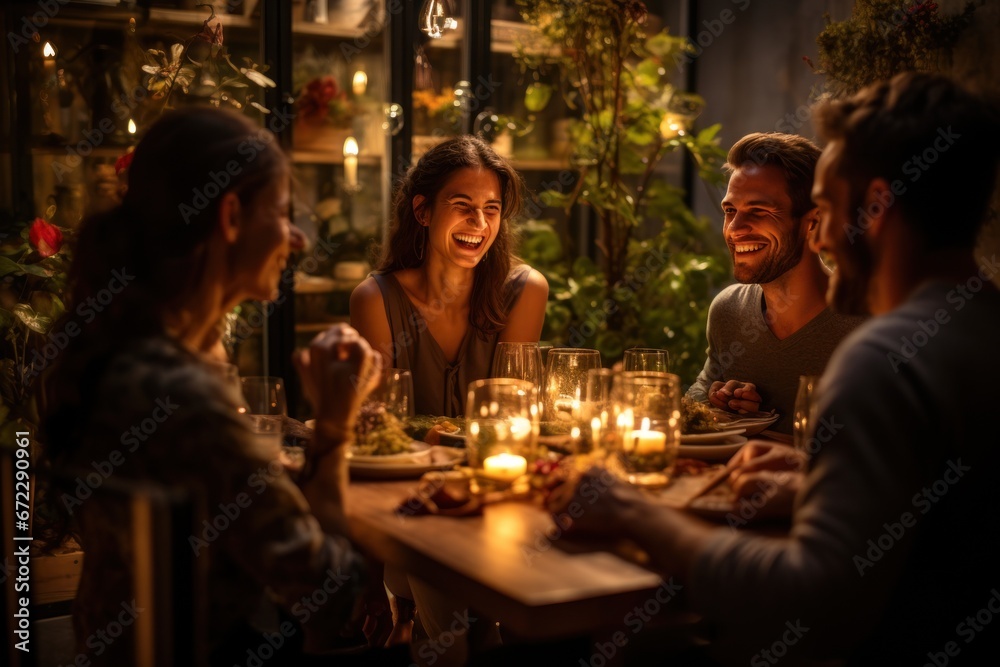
(155, 244)
(427, 177)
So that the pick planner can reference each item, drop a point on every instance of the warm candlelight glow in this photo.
(131, 126)
(48, 50)
(505, 467)
(645, 441)
(520, 427)
(351, 162)
(360, 82)
(672, 126)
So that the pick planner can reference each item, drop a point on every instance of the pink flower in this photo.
(46, 237)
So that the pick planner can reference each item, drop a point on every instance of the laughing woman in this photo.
(448, 286)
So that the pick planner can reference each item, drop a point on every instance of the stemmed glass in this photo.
(265, 404)
(646, 359)
(520, 361)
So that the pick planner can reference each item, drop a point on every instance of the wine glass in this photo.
(264, 397)
(502, 423)
(599, 407)
(520, 361)
(646, 359)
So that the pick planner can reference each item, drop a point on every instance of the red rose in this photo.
(124, 162)
(45, 237)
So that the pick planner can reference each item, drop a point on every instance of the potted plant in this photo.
(644, 287)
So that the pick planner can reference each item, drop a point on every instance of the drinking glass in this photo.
(566, 382)
(646, 359)
(648, 425)
(502, 424)
(384, 412)
(520, 361)
(599, 407)
(265, 404)
(805, 411)
(394, 393)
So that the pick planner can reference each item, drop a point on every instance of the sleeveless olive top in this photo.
(439, 387)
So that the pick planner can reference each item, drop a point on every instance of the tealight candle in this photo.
(506, 467)
(645, 441)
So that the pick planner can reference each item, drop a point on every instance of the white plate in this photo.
(420, 455)
(754, 425)
(441, 458)
(717, 452)
(706, 438)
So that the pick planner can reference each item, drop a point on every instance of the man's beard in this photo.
(848, 291)
(775, 264)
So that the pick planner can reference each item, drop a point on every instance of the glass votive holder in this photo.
(647, 426)
(565, 386)
(501, 431)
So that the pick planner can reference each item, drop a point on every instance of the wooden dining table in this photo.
(512, 562)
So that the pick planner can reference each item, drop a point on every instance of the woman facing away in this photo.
(447, 287)
(182, 249)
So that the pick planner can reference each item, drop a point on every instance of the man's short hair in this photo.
(793, 155)
(934, 142)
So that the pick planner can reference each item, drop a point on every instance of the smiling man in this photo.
(773, 326)
(891, 557)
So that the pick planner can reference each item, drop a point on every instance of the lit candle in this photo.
(131, 127)
(595, 430)
(645, 441)
(351, 162)
(51, 87)
(505, 467)
(360, 83)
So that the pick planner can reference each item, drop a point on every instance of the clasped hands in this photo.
(735, 396)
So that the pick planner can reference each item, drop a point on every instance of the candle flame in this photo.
(645, 424)
(131, 126)
(48, 50)
(360, 82)
(350, 147)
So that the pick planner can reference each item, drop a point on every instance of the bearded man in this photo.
(774, 325)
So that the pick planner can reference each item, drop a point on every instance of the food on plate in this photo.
(433, 435)
(418, 426)
(698, 417)
(380, 433)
